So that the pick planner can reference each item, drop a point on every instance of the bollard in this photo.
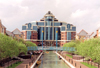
(72, 61)
(29, 63)
(75, 64)
(80, 66)
(32, 61)
(26, 66)
(69, 60)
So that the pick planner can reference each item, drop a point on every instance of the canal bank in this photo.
(51, 60)
(65, 60)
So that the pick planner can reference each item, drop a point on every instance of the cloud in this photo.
(84, 14)
(79, 13)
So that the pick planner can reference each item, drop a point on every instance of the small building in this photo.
(83, 35)
(10, 34)
(18, 34)
(2, 28)
(97, 33)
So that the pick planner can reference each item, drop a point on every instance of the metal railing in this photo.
(51, 48)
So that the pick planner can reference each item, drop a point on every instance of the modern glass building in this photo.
(50, 30)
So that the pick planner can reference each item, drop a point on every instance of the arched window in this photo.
(68, 26)
(29, 26)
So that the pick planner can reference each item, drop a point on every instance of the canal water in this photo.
(51, 60)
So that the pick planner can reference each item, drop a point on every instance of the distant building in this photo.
(2, 28)
(10, 34)
(83, 35)
(97, 33)
(17, 34)
(49, 29)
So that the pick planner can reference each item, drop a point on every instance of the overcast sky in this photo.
(84, 14)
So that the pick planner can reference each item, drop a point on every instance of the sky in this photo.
(84, 14)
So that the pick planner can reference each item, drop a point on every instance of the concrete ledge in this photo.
(65, 60)
(36, 61)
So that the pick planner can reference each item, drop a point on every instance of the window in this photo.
(19, 35)
(48, 23)
(49, 19)
(2, 30)
(68, 26)
(73, 28)
(62, 28)
(29, 26)
(35, 28)
(40, 23)
(28, 34)
(68, 35)
(41, 33)
(56, 34)
(23, 27)
(56, 24)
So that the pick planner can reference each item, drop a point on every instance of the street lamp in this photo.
(42, 40)
(56, 40)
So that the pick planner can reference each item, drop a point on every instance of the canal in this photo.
(51, 60)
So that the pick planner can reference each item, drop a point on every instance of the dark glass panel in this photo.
(23, 27)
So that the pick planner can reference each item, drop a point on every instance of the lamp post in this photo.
(42, 40)
(56, 40)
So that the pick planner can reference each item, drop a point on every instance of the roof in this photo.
(9, 33)
(49, 13)
(83, 33)
(16, 31)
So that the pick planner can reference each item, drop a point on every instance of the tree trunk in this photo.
(91, 63)
(8, 64)
(83, 58)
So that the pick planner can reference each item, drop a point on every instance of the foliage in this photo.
(28, 43)
(69, 55)
(14, 65)
(72, 44)
(88, 48)
(88, 65)
(10, 47)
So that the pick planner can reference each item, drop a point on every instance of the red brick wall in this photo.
(4, 30)
(97, 33)
(73, 35)
(25, 34)
(34, 35)
(63, 37)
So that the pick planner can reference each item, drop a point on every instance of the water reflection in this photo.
(51, 60)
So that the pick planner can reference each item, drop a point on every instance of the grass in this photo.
(15, 65)
(89, 65)
(69, 55)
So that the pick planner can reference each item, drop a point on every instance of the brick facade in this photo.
(63, 37)
(34, 35)
(24, 34)
(2, 28)
(73, 34)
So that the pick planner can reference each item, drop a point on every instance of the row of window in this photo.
(48, 20)
(56, 35)
(35, 28)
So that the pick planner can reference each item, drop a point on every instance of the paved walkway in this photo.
(27, 63)
(75, 63)
(10, 62)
